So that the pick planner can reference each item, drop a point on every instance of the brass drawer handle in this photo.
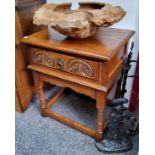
(60, 64)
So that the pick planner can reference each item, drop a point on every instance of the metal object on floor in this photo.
(116, 137)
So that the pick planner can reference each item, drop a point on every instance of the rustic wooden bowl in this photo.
(80, 23)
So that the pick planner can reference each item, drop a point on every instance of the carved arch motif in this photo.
(80, 67)
(43, 58)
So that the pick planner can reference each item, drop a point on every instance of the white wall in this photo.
(130, 21)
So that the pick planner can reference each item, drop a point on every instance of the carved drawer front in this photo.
(75, 65)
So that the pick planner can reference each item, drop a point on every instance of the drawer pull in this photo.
(60, 64)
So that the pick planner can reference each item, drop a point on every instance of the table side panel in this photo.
(113, 68)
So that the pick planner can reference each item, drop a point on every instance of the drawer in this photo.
(66, 63)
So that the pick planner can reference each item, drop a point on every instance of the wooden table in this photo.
(87, 66)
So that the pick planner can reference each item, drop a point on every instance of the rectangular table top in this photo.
(103, 45)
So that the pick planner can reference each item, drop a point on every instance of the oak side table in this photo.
(89, 66)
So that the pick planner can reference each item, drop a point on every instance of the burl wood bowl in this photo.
(80, 23)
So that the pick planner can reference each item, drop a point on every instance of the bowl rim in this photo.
(80, 3)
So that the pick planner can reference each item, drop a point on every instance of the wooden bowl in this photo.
(80, 23)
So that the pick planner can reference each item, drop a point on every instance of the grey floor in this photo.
(36, 135)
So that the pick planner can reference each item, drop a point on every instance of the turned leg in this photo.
(39, 85)
(100, 105)
(42, 99)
